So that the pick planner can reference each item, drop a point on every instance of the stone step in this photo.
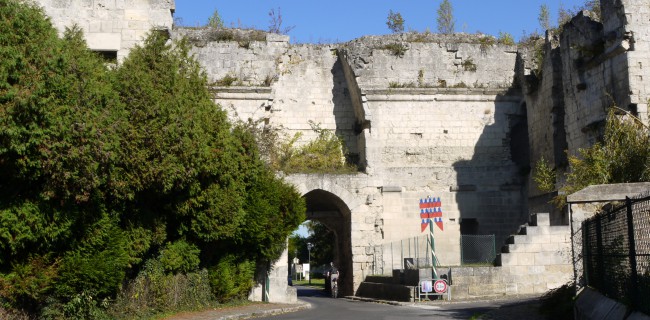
(539, 219)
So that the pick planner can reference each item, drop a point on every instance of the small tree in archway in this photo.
(323, 240)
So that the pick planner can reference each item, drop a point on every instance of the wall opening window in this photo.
(468, 226)
(109, 56)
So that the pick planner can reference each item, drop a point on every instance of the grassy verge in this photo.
(314, 283)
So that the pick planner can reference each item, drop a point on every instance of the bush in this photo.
(397, 49)
(180, 257)
(98, 263)
(325, 154)
(154, 291)
(232, 278)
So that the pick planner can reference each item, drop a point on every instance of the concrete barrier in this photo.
(593, 305)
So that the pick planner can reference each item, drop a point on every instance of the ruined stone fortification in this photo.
(459, 117)
(113, 26)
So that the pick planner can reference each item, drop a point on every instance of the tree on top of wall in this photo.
(544, 17)
(395, 22)
(215, 21)
(446, 23)
(275, 23)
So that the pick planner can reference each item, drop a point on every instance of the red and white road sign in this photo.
(440, 286)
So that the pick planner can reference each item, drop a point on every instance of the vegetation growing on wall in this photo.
(112, 178)
(325, 154)
(623, 156)
(544, 175)
(396, 49)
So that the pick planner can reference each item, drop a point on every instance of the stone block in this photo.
(537, 230)
(104, 41)
(487, 289)
(511, 289)
(508, 259)
(524, 258)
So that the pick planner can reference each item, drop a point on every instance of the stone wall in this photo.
(459, 117)
(111, 25)
(428, 140)
(588, 67)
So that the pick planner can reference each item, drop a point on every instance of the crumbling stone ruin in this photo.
(458, 117)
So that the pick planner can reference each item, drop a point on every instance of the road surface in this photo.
(324, 307)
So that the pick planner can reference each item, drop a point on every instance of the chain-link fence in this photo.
(616, 253)
(477, 249)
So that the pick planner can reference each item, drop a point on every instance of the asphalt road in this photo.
(324, 307)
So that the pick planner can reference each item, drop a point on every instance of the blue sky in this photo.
(338, 21)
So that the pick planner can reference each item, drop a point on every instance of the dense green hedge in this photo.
(109, 173)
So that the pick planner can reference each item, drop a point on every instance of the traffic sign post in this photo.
(434, 287)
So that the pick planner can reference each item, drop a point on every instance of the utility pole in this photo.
(309, 246)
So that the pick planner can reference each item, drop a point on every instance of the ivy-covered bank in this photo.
(124, 190)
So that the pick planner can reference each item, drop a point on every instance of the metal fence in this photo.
(403, 254)
(415, 253)
(616, 253)
(477, 249)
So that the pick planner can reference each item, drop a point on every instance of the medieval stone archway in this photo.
(329, 209)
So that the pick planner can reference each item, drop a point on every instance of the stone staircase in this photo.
(533, 261)
(538, 258)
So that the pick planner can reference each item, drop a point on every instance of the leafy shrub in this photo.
(506, 38)
(623, 156)
(397, 49)
(154, 291)
(29, 282)
(226, 81)
(97, 264)
(232, 278)
(180, 257)
(469, 65)
(325, 154)
(396, 85)
(81, 307)
(544, 176)
(486, 41)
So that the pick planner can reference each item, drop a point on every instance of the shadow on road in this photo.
(304, 291)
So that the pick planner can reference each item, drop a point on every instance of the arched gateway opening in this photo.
(328, 209)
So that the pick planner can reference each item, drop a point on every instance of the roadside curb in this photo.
(390, 302)
(514, 298)
(269, 312)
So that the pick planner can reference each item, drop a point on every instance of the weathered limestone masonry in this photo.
(588, 68)
(457, 117)
(113, 26)
(446, 136)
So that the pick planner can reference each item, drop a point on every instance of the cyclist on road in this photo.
(333, 275)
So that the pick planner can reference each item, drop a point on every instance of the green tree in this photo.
(543, 18)
(55, 99)
(215, 21)
(105, 171)
(323, 240)
(395, 22)
(445, 19)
